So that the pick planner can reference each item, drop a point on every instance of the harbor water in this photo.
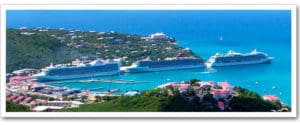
(204, 32)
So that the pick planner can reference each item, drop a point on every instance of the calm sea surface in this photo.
(241, 31)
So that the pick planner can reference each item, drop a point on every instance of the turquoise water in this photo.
(242, 31)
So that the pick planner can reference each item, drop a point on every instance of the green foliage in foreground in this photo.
(251, 102)
(158, 100)
(13, 107)
(122, 104)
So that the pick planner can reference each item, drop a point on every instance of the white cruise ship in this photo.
(174, 63)
(79, 69)
(234, 58)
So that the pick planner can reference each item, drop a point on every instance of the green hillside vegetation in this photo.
(121, 104)
(38, 47)
(12, 107)
(158, 100)
(251, 102)
(35, 51)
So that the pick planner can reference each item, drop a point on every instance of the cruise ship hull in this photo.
(43, 77)
(147, 69)
(240, 63)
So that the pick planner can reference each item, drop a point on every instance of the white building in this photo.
(157, 36)
(76, 104)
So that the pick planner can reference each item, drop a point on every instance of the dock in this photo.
(97, 88)
(109, 91)
(118, 81)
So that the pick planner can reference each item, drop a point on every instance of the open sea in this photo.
(267, 31)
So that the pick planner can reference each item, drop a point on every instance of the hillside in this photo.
(38, 47)
(158, 100)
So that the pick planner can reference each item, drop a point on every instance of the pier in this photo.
(97, 88)
(118, 81)
(109, 91)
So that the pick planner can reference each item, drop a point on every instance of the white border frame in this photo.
(293, 113)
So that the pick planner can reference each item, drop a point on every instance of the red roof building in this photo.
(33, 103)
(44, 102)
(20, 78)
(184, 86)
(271, 98)
(27, 99)
(196, 87)
(18, 99)
(11, 97)
(224, 84)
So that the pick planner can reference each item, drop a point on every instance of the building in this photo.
(271, 98)
(76, 104)
(24, 71)
(64, 104)
(209, 83)
(131, 93)
(59, 103)
(224, 92)
(183, 88)
(218, 94)
(158, 36)
(18, 79)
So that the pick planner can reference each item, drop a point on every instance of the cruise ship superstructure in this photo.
(79, 69)
(174, 63)
(234, 58)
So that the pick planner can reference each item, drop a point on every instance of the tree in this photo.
(193, 81)
(251, 101)
(209, 98)
(191, 92)
(12, 107)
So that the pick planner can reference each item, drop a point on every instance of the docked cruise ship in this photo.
(174, 63)
(234, 58)
(79, 69)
